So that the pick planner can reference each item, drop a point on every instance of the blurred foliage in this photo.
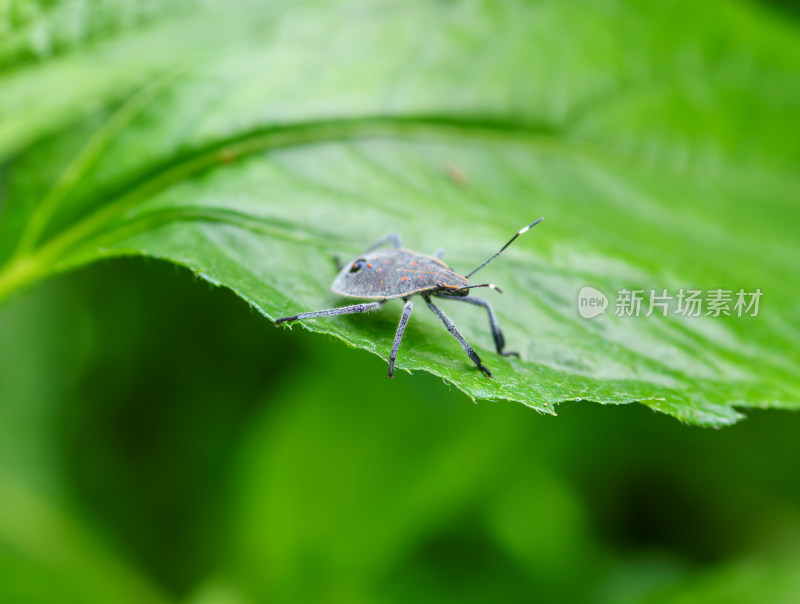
(164, 443)
(161, 441)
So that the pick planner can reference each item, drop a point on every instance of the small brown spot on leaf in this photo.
(456, 174)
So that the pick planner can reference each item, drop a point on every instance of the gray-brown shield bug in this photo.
(384, 274)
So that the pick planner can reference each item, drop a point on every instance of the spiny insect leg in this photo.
(452, 329)
(342, 310)
(494, 325)
(394, 238)
(401, 327)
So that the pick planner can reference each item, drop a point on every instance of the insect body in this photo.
(384, 274)
(396, 273)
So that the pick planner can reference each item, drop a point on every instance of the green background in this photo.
(162, 441)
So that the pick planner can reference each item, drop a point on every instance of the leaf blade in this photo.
(258, 200)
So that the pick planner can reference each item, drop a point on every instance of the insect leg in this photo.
(342, 310)
(499, 340)
(452, 329)
(401, 327)
(439, 253)
(394, 238)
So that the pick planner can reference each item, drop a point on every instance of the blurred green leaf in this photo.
(49, 549)
(741, 581)
(251, 141)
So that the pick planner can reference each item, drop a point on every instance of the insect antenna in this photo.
(492, 285)
(510, 241)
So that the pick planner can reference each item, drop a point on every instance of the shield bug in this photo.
(385, 274)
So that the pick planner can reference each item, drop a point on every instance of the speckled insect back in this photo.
(396, 273)
(385, 274)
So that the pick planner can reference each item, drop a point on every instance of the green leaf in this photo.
(251, 142)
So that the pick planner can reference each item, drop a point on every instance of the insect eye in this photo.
(357, 265)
